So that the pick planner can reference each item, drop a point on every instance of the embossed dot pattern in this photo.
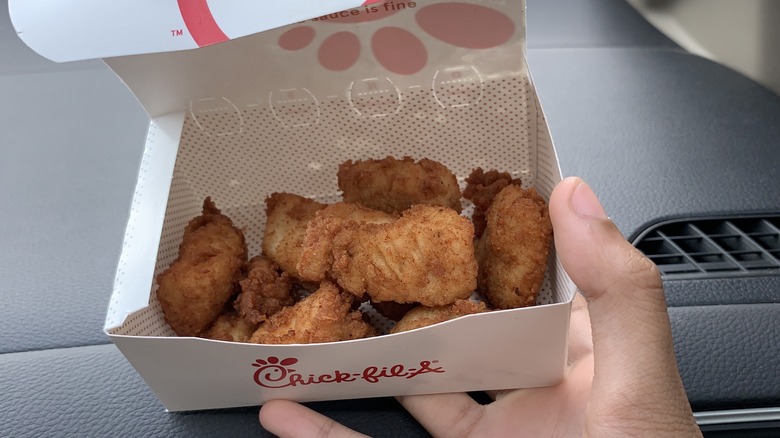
(238, 171)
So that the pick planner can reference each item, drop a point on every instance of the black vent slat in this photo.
(767, 241)
(714, 247)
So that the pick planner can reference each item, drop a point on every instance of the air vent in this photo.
(745, 246)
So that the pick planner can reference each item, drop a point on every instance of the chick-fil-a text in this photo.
(275, 373)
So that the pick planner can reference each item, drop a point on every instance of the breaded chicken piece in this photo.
(356, 212)
(327, 315)
(512, 252)
(316, 257)
(481, 188)
(422, 316)
(426, 256)
(393, 185)
(195, 288)
(264, 291)
(287, 215)
(229, 326)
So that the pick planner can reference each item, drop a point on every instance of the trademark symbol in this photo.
(177, 32)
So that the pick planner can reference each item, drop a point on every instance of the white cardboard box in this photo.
(272, 106)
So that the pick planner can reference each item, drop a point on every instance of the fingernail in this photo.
(586, 204)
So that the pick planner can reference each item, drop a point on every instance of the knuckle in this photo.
(635, 273)
(642, 270)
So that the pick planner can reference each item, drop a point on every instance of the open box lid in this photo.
(90, 29)
(292, 55)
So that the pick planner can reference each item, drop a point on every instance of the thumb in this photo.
(623, 288)
(632, 340)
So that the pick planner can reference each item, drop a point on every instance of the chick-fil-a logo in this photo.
(277, 373)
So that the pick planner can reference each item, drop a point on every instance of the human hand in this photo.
(622, 377)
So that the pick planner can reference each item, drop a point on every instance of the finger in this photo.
(444, 414)
(580, 340)
(630, 325)
(285, 418)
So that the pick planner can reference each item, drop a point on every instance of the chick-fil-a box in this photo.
(246, 98)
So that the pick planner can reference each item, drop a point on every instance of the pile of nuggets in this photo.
(398, 240)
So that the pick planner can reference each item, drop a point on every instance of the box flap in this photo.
(135, 271)
(369, 56)
(89, 29)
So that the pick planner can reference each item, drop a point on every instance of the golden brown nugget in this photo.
(264, 291)
(512, 252)
(316, 258)
(393, 185)
(357, 212)
(426, 256)
(481, 188)
(287, 215)
(195, 288)
(229, 326)
(327, 315)
(422, 316)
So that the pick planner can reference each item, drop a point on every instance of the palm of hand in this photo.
(550, 411)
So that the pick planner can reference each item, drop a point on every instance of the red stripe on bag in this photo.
(200, 23)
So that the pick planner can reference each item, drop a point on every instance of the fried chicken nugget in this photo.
(512, 252)
(229, 326)
(422, 316)
(287, 215)
(264, 291)
(393, 185)
(426, 256)
(327, 315)
(195, 288)
(481, 188)
(316, 258)
(357, 212)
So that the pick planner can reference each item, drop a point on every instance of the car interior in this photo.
(677, 134)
